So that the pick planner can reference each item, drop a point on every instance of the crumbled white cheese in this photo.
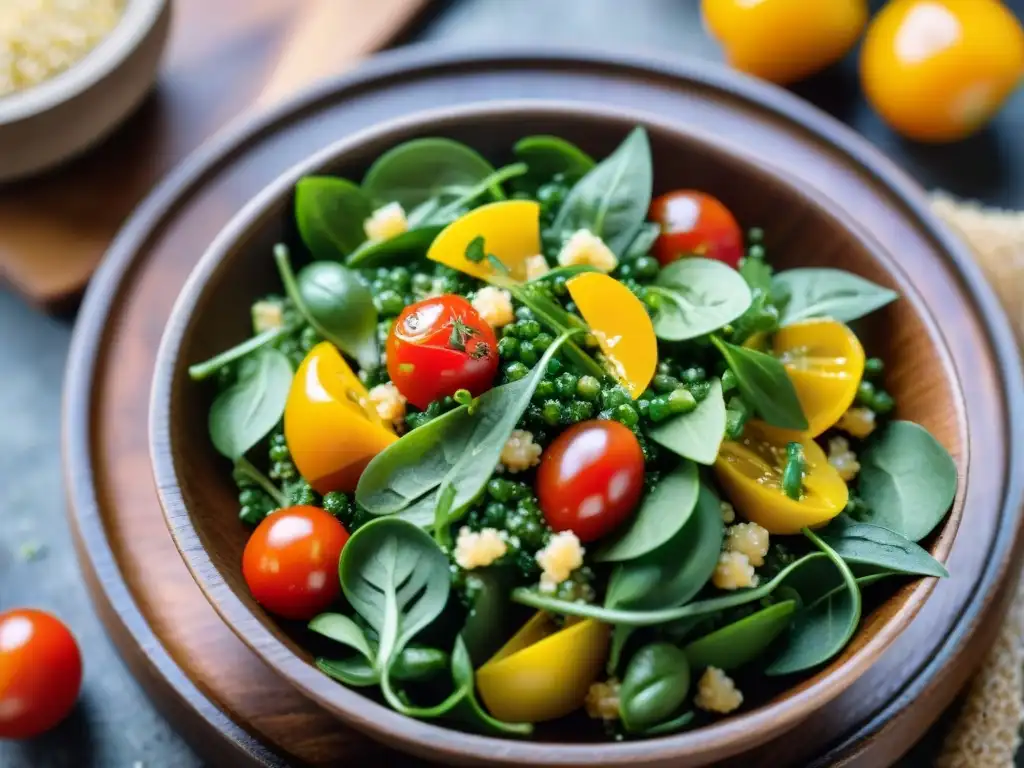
(586, 248)
(267, 316)
(859, 422)
(494, 305)
(602, 702)
(728, 512)
(536, 266)
(520, 451)
(388, 402)
(716, 692)
(386, 222)
(734, 571)
(479, 549)
(749, 539)
(562, 555)
(842, 458)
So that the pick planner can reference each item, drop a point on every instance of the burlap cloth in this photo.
(985, 731)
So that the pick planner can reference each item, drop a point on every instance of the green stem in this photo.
(248, 469)
(793, 474)
(424, 713)
(204, 370)
(572, 350)
(490, 184)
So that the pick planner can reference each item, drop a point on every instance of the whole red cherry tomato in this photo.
(291, 561)
(438, 346)
(695, 224)
(40, 673)
(590, 479)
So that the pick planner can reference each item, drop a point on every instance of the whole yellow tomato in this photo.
(785, 40)
(937, 70)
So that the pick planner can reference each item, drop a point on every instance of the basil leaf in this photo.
(824, 292)
(416, 171)
(643, 242)
(650, 618)
(676, 571)
(907, 479)
(696, 435)
(469, 709)
(742, 641)
(246, 412)
(547, 156)
(341, 629)
(410, 244)
(764, 384)
(824, 627)
(874, 545)
(613, 198)
(336, 303)
(662, 513)
(655, 686)
(698, 296)
(330, 213)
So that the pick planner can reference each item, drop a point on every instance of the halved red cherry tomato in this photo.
(40, 673)
(695, 224)
(590, 479)
(291, 561)
(438, 346)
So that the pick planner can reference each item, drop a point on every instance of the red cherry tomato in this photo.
(291, 561)
(438, 346)
(40, 673)
(695, 224)
(590, 479)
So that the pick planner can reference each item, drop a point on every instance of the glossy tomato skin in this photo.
(291, 561)
(438, 346)
(590, 479)
(40, 673)
(695, 224)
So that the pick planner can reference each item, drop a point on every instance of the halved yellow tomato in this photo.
(622, 326)
(750, 472)
(511, 232)
(543, 672)
(825, 362)
(331, 427)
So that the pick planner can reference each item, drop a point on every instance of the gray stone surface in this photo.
(114, 726)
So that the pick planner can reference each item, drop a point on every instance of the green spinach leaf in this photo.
(643, 242)
(907, 479)
(764, 384)
(867, 544)
(548, 156)
(341, 629)
(449, 212)
(330, 213)
(742, 641)
(410, 244)
(696, 435)
(246, 412)
(698, 296)
(613, 198)
(662, 513)
(655, 686)
(825, 292)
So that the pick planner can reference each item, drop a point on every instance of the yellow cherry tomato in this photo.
(619, 321)
(785, 40)
(511, 232)
(331, 428)
(750, 472)
(543, 672)
(937, 70)
(825, 362)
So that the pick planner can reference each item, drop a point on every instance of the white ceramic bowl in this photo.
(62, 117)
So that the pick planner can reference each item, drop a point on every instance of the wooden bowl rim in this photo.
(749, 728)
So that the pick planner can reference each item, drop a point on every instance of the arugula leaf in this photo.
(246, 412)
(330, 213)
(696, 435)
(422, 169)
(698, 296)
(825, 292)
(877, 546)
(764, 384)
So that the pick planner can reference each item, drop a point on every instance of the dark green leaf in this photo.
(419, 170)
(742, 641)
(414, 664)
(873, 545)
(330, 213)
(489, 622)
(698, 296)
(655, 685)
(341, 629)
(662, 513)
(696, 435)
(612, 199)
(244, 413)
(354, 671)
(547, 156)
(824, 292)
(408, 245)
(670, 726)
(764, 384)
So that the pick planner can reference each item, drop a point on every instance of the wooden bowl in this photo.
(64, 116)
(801, 228)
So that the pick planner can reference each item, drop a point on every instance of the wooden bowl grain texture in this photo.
(225, 701)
